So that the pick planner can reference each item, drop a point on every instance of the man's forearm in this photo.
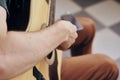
(24, 50)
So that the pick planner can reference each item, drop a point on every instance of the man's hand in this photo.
(71, 36)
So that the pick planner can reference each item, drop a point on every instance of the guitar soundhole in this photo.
(50, 55)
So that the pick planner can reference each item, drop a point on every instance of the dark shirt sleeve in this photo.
(3, 3)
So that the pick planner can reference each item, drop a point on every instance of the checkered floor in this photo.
(106, 14)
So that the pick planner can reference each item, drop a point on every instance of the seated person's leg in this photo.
(84, 41)
(89, 67)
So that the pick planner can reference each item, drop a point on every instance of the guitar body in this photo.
(39, 19)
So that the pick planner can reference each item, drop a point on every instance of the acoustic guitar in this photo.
(41, 16)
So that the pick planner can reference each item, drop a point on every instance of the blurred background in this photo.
(106, 14)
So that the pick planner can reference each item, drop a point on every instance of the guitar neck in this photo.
(52, 12)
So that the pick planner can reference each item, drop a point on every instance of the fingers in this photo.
(66, 25)
(71, 36)
(71, 33)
